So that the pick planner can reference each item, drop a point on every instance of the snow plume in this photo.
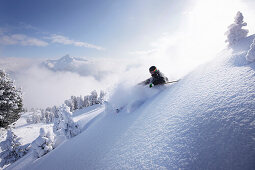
(129, 97)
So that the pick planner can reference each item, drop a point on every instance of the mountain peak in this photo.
(66, 58)
(65, 63)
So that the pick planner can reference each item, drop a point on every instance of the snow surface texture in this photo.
(251, 53)
(205, 121)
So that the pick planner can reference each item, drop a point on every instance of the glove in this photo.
(151, 85)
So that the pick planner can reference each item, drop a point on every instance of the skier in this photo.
(157, 78)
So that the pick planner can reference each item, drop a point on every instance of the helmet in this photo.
(152, 69)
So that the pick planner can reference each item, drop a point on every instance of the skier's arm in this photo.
(145, 82)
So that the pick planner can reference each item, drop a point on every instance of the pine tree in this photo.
(101, 97)
(70, 104)
(86, 101)
(235, 32)
(36, 116)
(10, 101)
(54, 110)
(80, 102)
(42, 116)
(75, 102)
(93, 98)
(12, 149)
(43, 144)
(64, 124)
(49, 115)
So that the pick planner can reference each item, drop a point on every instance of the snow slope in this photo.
(205, 121)
(29, 132)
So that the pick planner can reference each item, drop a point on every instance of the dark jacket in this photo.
(156, 79)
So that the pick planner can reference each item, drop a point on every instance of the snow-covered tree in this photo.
(41, 116)
(54, 110)
(70, 104)
(93, 98)
(101, 97)
(12, 149)
(86, 101)
(235, 31)
(35, 117)
(75, 102)
(64, 124)
(43, 144)
(49, 115)
(10, 100)
(251, 53)
(80, 102)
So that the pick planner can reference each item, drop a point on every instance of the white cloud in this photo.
(65, 40)
(21, 39)
(15, 65)
(42, 87)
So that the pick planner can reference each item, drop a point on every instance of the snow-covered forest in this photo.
(74, 103)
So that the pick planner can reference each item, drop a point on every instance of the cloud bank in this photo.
(45, 88)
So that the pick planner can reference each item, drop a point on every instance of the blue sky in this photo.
(107, 28)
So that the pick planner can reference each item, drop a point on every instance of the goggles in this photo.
(152, 72)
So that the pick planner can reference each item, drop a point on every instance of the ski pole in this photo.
(172, 81)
